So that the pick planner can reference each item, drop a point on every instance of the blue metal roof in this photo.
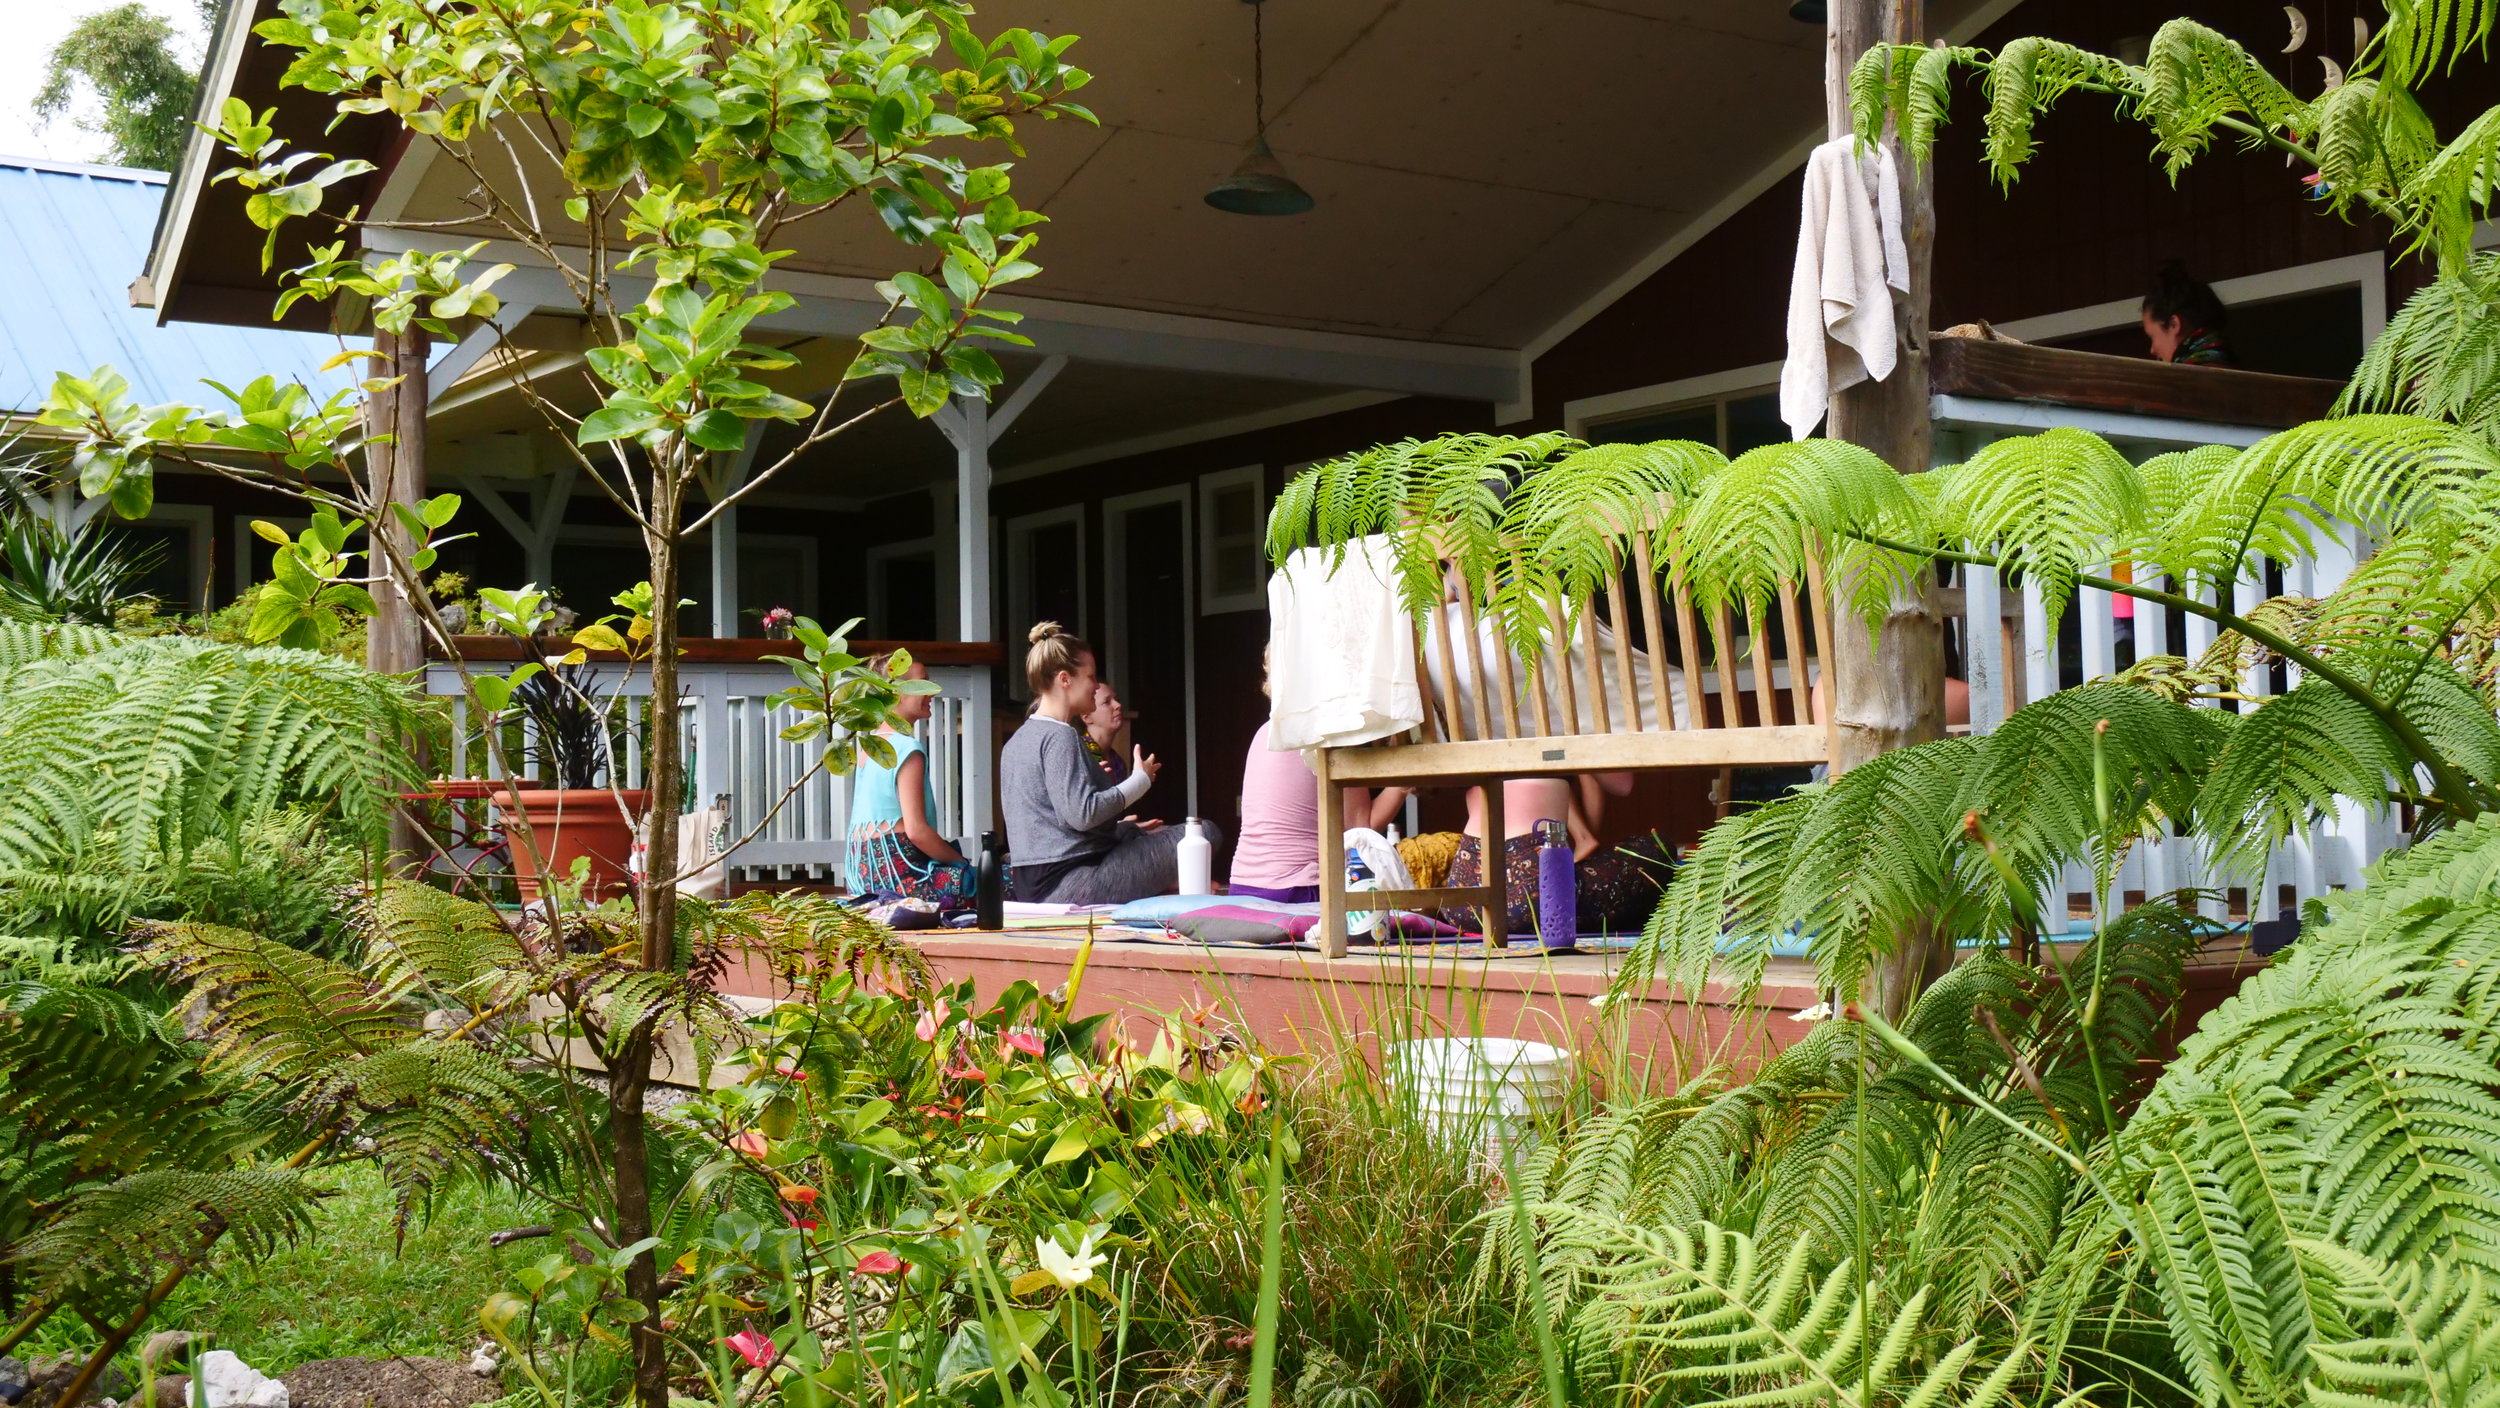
(71, 240)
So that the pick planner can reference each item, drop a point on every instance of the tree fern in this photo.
(2429, 1334)
(2053, 505)
(113, 1241)
(1877, 857)
(157, 744)
(278, 1012)
(1703, 1306)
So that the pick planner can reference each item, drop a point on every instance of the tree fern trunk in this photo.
(1889, 690)
(631, 1075)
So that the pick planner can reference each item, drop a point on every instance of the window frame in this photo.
(1211, 601)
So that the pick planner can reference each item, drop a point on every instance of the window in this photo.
(1045, 576)
(181, 534)
(1232, 528)
(1734, 423)
(1734, 411)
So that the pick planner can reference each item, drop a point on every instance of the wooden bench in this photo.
(1590, 700)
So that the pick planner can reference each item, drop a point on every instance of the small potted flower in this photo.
(777, 623)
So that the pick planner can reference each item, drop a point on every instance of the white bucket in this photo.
(1483, 1091)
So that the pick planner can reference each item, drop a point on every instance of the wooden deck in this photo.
(1298, 1003)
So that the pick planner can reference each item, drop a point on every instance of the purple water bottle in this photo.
(1557, 887)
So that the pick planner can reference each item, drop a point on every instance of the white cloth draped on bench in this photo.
(1341, 650)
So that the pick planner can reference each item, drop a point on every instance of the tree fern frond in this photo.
(2025, 80)
(1704, 1307)
(2193, 77)
(1995, 1227)
(420, 935)
(2049, 507)
(162, 742)
(1911, 84)
(1572, 523)
(2291, 760)
(2439, 356)
(112, 1241)
(2434, 1336)
(88, 1071)
(277, 1011)
(2422, 36)
(1749, 529)
(2035, 786)
(1722, 907)
(1878, 857)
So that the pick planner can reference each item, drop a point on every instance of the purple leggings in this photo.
(1299, 894)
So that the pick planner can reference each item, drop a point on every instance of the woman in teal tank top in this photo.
(895, 847)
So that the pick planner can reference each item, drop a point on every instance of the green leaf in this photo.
(615, 423)
(718, 430)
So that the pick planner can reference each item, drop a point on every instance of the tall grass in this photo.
(1380, 1218)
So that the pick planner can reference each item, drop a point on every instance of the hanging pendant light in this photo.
(1259, 186)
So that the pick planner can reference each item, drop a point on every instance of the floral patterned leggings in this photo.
(1618, 885)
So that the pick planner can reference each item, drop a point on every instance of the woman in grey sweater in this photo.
(1066, 838)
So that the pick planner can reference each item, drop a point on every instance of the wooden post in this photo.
(1889, 691)
(395, 465)
(1332, 892)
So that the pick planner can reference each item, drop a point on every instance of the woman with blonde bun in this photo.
(1066, 840)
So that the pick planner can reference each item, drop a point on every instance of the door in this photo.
(1150, 651)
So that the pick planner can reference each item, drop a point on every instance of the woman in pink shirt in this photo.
(1277, 857)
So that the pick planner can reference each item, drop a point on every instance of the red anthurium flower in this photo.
(753, 1346)
(789, 1072)
(798, 1193)
(931, 1019)
(967, 1073)
(878, 1264)
(751, 1143)
(801, 1223)
(1028, 1042)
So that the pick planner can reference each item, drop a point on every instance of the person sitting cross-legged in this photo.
(1069, 838)
(895, 850)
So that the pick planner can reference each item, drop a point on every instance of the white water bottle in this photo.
(1197, 860)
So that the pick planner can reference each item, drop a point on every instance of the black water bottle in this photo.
(990, 885)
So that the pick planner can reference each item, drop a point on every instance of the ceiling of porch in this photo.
(1483, 169)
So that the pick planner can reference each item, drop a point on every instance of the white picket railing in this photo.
(797, 814)
(2013, 658)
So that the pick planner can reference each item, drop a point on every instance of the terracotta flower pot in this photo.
(569, 823)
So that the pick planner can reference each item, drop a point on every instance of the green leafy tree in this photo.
(127, 59)
(678, 141)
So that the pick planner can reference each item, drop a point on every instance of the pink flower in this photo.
(789, 1072)
(930, 1020)
(967, 1073)
(878, 1264)
(753, 1346)
(751, 1143)
(778, 616)
(1027, 1041)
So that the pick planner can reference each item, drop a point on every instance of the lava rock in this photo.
(15, 1379)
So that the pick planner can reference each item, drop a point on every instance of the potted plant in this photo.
(575, 731)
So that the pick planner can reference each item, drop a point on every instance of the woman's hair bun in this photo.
(1044, 630)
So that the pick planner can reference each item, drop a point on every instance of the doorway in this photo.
(1150, 652)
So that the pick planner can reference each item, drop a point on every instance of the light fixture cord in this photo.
(1258, 67)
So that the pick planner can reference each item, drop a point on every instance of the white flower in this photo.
(1070, 1269)
(1819, 1012)
(1598, 1003)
